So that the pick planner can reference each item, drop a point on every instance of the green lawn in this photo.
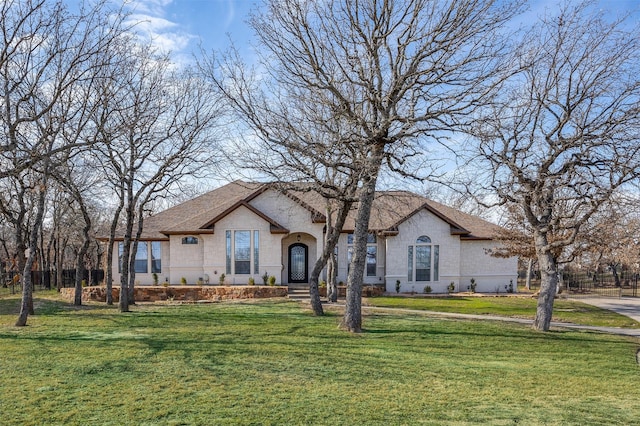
(515, 307)
(272, 362)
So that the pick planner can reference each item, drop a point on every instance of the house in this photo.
(247, 229)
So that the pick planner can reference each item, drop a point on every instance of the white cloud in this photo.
(152, 25)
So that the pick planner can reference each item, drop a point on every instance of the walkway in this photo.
(611, 330)
(624, 306)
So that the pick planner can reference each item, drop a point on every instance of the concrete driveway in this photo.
(629, 306)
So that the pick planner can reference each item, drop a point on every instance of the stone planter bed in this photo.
(181, 293)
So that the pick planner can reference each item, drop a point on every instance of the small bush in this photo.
(265, 278)
(451, 287)
(272, 280)
(397, 286)
(427, 289)
(183, 281)
(221, 279)
(155, 278)
(472, 286)
(251, 281)
(323, 284)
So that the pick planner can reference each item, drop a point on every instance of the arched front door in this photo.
(298, 271)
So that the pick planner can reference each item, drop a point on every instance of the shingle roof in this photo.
(389, 210)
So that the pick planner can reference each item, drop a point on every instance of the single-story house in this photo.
(247, 229)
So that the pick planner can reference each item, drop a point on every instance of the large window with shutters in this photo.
(423, 260)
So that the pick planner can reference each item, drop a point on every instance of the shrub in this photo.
(221, 279)
(272, 280)
(472, 286)
(155, 278)
(509, 288)
(183, 281)
(427, 289)
(252, 281)
(83, 283)
(265, 278)
(323, 284)
(397, 286)
(451, 287)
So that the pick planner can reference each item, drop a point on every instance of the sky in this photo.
(181, 26)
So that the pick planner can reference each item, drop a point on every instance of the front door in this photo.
(298, 272)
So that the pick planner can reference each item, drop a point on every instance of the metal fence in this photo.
(583, 284)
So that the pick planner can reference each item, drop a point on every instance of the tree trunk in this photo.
(26, 307)
(614, 271)
(109, 266)
(331, 239)
(80, 261)
(548, 285)
(352, 320)
(527, 282)
(332, 272)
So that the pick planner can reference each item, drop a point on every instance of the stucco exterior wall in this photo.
(422, 223)
(343, 264)
(142, 278)
(492, 274)
(297, 220)
(242, 219)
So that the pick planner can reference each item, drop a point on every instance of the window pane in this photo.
(349, 256)
(156, 257)
(190, 240)
(228, 266)
(423, 263)
(349, 238)
(256, 252)
(141, 258)
(410, 264)
(120, 249)
(423, 239)
(436, 261)
(371, 238)
(242, 252)
(371, 261)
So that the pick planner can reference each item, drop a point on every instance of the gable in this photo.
(238, 212)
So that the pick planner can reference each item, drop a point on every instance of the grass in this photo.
(515, 307)
(272, 362)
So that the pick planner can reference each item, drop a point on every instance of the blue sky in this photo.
(180, 26)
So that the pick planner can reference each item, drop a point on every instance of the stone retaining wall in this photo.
(186, 293)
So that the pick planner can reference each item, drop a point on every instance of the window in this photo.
(228, 239)
(242, 252)
(142, 257)
(120, 250)
(423, 260)
(256, 252)
(141, 264)
(156, 257)
(372, 254)
(190, 240)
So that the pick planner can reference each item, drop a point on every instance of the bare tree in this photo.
(563, 135)
(155, 125)
(45, 52)
(374, 81)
